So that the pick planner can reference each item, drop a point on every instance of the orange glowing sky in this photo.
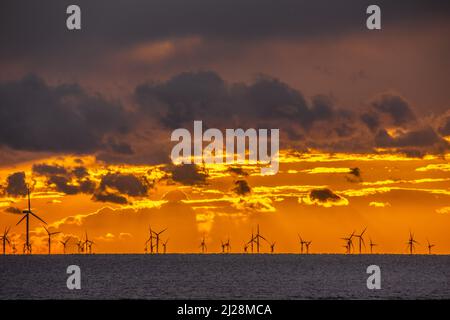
(393, 195)
(364, 120)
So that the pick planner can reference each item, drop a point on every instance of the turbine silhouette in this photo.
(64, 243)
(5, 239)
(361, 239)
(430, 246)
(50, 234)
(26, 213)
(411, 242)
(203, 244)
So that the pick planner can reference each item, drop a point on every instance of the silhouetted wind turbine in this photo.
(272, 247)
(429, 246)
(64, 243)
(14, 249)
(5, 239)
(349, 242)
(251, 242)
(80, 246)
(223, 246)
(371, 245)
(165, 246)
(411, 242)
(157, 238)
(203, 245)
(150, 240)
(302, 243)
(26, 216)
(228, 245)
(257, 237)
(307, 243)
(361, 239)
(50, 234)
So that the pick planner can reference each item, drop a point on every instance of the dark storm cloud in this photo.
(444, 129)
(47, 169)
(371, 120)
(16, 185)
(241, 187)
(205, 95)
(39, 27)
(109, 197)
(422, 137)
(188, 174)
(323, 195)
(65, 180)
(127, 184)
(64, 118)
(395, 107)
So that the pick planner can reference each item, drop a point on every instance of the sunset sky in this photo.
(364, 119)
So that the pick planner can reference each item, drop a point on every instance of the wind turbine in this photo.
(64, 243)
(302, 243)
(14, 249)
(250, 242)
(26, 216)
(371, 245)
(150, 240)
(50, 234)
(203, 244)
(349, 242)
(429, 247)
(361, 239)
(223, 246)
(165, 246)
(411, 242)
(80, 246)
(307, 243)
(157, 238)
(5, 239)
(228, 245)
(257, 237)
(272, 247)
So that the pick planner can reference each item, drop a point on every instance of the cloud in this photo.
(324, 197)
(46, 169)
(424, 137)
(13, 210)
(188, 174)
(237, 171)
(109, 197)
(66, 180)
(153, 21)
(444, 129)
(241, 187)
(443, 210)
(378, 204)
(16, 185)
(64, 118)
(127, 184)
(395, 107)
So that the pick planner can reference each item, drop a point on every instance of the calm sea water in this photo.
(233, 276)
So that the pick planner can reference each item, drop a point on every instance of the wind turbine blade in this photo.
(46, 230)
(21, 220)
(364, 231)
(37, 217)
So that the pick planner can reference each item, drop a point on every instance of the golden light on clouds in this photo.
(319, 194)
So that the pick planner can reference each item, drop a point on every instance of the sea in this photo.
(225, 276)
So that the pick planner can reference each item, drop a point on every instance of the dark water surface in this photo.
(233, 276)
